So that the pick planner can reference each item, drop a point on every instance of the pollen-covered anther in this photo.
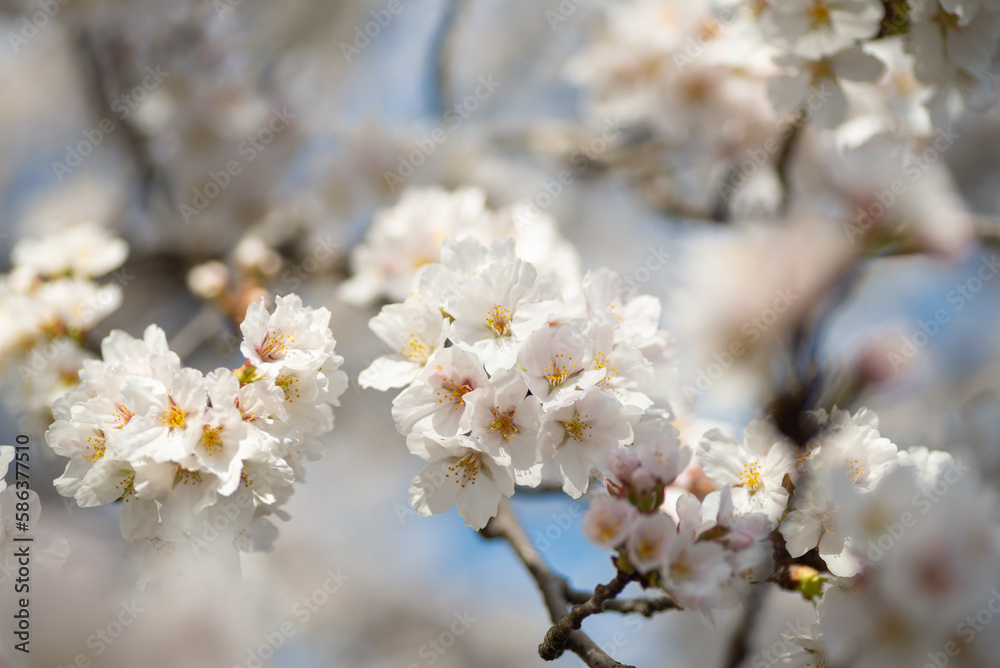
(174, 416)
(503, 423)
(601, 362)
(466, 469)
(289, 384)
(454, 391)
(96, 446)
(750, 476)
(274, 346)
(853, 469)
(415, 349)
(183, 476)
(127, 487)
(211, 439)
(561, 368)
(122, 415)
(575, 428)
(828, 521)
(499, 320)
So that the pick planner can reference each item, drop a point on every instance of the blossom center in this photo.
(829, 522)
(601, 362)
(562, 367)
(499, 320)
(182, 476)
(122, 415)
(453, 391)
(853, 469)
(503, 423)
(819, 14)
(648, 549)
(415, 349)
(607, 527)
(96, 445)
(173, 417)
(289, 385)
(682, 568)
(127, 486)
(466, 469)
(576, 427)
(750, 477)
(274, 347)
(211, 439)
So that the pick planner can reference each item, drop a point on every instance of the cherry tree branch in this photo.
(739, 643)
(545, 487)
(555, 640)
(552, 586)
(647, 607)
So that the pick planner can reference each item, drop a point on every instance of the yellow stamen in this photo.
(503, 423)
(173, 417)
(499, 320)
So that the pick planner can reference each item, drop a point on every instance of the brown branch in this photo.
(647, 607)
(102, 60)
(555, 640)
(553, 587)
(545, 487)
(739, 644)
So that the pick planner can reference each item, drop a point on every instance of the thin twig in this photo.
(506, 527)
(647, 607)
(546, 487)
(101, 60)
(442, 53)
(199, 329)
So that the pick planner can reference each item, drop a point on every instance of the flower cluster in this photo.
(200, 461)
(49, 302)
(509, 378)
(407, 236)
(908, 542)
(723, 85)
(850, 496)
(702, 552)
(20, 512)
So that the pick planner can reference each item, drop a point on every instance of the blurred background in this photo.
(127, 112)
